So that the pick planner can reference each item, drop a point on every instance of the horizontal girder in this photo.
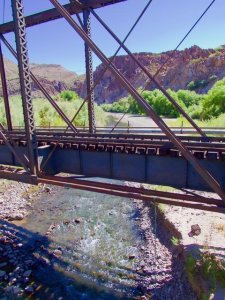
(53, 14)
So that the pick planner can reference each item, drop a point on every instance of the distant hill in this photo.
(49, 75)
(193, 68)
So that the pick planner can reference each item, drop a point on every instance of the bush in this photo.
(196, 84)
(189, 98)
(68, 95)
(214, 102)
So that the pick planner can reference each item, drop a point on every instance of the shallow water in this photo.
(96, 234)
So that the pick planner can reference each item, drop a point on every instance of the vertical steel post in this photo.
(5, 91)
(25, 82)
(89, 72)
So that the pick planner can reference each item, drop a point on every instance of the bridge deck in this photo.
(142, 158)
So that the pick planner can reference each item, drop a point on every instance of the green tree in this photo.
(189, 98)
(68, 95)
(214, 102)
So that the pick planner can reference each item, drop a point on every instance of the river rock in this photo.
(16, 217)
(2, 265)
(195, 230)
(16, 290)
(29, 289)
(57, 252)
(77, 221)
(27, 273)
(2, 273)
(47, 189)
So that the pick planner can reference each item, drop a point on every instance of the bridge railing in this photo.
(136, 129)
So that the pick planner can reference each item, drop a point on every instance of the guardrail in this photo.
(136, 130)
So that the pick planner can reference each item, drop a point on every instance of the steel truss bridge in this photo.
(73, 156)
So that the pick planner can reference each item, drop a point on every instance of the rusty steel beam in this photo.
(12, 150)
(114, 55)
(149, 75)
(197, 166)
(42, 89)
(17, 174)
(5, 91)
(89, 73)
(133, 193)
(137, 190)
(52, 14)
(25, 82)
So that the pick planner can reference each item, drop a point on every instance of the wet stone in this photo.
(2, 273)
(57, 252)
(2, 265)
(29, 289)
(132, 256)
(27, 273)
(26, 280)
(77, 221)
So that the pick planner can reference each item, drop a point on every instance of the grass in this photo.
(46, 116)
(204, 271)
(181, 122)
(4, 184)
(219, 227)
(175, 241)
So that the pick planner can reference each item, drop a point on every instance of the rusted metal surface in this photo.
(12, 149)
(42, 89)
(132, 157)
(52, 14)
(89, 73)
(156, 141)
(203, 173)
(148, 74)
(136, 193)
(5, 91)
(25, 82)
(17, 174)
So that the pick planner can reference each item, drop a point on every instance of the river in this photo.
(95, 240)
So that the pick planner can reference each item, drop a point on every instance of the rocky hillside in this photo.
(202, 67)
(53, 77)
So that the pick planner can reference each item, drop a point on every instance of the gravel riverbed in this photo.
(159, 275)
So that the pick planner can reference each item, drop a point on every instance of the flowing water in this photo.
(98, 243)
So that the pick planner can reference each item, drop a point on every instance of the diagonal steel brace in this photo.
(42, 89)
(2, 129)
(189, 156)
(148, 74)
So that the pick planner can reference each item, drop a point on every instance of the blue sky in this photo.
(162, 27)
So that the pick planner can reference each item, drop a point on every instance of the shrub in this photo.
(68, 95)
(214, 102)
(189, 98)
(196, 84)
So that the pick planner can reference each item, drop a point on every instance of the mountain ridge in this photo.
(200, 66)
